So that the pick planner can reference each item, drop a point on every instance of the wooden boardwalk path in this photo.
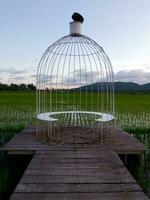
(74, 172)
(78, 174)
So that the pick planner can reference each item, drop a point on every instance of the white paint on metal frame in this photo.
(48, 116)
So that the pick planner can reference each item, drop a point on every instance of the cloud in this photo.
(73, 79)
(137, 75)
(81, 77)
(12, 71)
(33, 76)
(78, 78)
(43, 77)
(146, 66)
(19, 78)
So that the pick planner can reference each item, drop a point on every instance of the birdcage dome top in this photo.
(79, 45)
(74, 57)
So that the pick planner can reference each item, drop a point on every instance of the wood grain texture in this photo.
(80, 196)
(77, 174)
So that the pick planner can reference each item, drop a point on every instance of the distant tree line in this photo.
(15, 87)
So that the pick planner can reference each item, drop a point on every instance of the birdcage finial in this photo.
(77, 17)
(76, 24)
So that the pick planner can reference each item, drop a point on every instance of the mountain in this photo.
(127, 86)
(146, 86)
(118, 86)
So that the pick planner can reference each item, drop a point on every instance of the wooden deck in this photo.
(25, 142)
(73, 172)
(78, 174)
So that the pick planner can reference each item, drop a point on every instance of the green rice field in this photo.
(132, 112)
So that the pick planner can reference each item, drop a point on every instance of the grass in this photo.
(17, 110)
(17, 98)
(8, 131)
(142, 134)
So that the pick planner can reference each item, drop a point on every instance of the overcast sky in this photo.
(28, 27)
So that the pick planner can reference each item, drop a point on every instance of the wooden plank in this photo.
(69, 158)
(74, 188)
(71, 165)
(47, 172)
(80, 196)
(21, 152)
(74, 154)
(75, 160)
(121, 178)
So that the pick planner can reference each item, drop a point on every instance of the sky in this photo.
(28, 27)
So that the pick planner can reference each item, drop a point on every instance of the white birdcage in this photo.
(75, 90)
